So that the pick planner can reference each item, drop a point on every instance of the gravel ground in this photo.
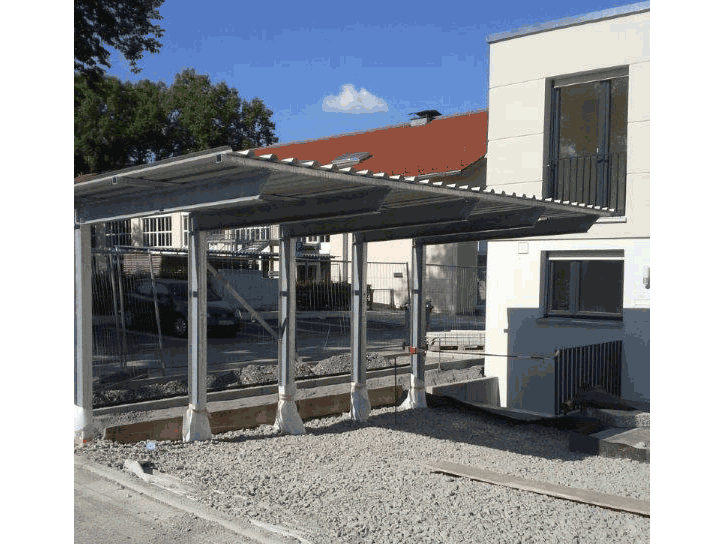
(108, 394)
(367, 483)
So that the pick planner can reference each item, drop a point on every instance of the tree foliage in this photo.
(125, 25)
(121, 124)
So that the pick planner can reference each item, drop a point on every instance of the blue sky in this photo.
(405, 56)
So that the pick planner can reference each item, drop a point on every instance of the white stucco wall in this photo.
(515, 303)
(520, 70)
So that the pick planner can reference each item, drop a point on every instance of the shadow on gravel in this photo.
(479, 429)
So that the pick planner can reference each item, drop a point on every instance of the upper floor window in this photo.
(252, 234)
(157, 231)
(588, 139)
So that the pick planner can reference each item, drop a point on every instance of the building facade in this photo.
(570, 120)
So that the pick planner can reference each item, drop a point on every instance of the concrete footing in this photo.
(83, 428)
(195, 425)
(416, 395)
(287, 418)
(360, 404)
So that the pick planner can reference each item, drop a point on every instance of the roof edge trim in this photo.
(620, 11)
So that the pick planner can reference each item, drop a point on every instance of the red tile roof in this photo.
(445, 144)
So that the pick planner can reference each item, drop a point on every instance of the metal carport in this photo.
(222, 188)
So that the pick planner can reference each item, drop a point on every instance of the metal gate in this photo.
(583, 366)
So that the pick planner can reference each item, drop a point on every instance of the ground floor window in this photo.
(185, 229)
(118, 233)
(585, 286)
(157, 231)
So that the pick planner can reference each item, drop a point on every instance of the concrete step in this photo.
(614, 442)
(629, 419)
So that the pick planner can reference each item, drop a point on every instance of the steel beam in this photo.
(287, 419)
(237, 188)
(362, 200)
(360, 404)
(548, 227)
(83, 383)
(526, 217)
(196, 418)
(409, 216)
(417, 392)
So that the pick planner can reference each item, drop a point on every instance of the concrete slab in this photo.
(482, 390)
(621, 418)
(587, 496)
(638, 437)
(615, 442)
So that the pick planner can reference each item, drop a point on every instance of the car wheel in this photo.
(180, 326)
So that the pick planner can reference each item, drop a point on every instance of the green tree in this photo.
(125, 25)
(121, 124)
(202, 116)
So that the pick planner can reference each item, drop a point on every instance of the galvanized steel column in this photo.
(417, 393)
(196, 418)
(360, 404)
(287, 419)
(83, 383)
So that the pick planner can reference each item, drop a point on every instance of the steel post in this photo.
(83, 383)
(360, 405)
(196, 419)
(417, 392)
(287, 419)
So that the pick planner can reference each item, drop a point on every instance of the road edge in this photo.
(201, 510)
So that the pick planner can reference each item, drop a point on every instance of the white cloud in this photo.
(349, 100)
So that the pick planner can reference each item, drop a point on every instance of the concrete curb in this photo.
(257, 533)
(591, 445)
(272, 389)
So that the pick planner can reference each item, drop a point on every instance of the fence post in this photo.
(156, 311)
(124, 345)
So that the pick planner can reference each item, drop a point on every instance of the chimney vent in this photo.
(423, 117)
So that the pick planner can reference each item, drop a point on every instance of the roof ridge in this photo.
(366, 131)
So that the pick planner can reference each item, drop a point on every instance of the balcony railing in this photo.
(597, 178)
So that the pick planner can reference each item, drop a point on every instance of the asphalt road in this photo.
(106, 512)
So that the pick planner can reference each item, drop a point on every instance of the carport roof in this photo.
(228, 189)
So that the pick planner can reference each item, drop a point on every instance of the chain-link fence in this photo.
(140, 310)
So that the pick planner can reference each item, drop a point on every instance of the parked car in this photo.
(172, 299)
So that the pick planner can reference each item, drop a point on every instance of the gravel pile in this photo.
(113, 390)
(367, 483)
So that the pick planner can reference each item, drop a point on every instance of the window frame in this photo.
(118, 231)
(575, 285)
(603, 168)
(157, 234)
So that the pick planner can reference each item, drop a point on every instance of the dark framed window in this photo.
(589, 288)
(588, 139)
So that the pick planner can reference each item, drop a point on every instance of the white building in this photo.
(570, 119)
